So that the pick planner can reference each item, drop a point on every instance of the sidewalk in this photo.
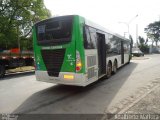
(147, 107)
(150, 104)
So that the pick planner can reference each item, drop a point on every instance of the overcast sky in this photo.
(109, 13)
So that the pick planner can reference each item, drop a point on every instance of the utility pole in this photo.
(128, 23)
(136, 35)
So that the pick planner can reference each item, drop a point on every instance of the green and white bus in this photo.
(72, 50)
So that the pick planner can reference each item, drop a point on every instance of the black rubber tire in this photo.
(109, 70)
(2, 71)
(129, 61)
(115, 67)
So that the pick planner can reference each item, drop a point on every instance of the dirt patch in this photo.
(21, 69)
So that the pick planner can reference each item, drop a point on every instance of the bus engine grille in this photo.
(53, 60)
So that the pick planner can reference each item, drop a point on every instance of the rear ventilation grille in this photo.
(91, 72)
(91, 61)
(53, 60)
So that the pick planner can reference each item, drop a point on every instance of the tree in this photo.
(143, 46)
(130, 37)
(17, 18)
(153, 32)
(141, 40)
(146, 42)
(131, 45)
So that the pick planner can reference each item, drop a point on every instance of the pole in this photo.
(137, 35)
(19, 45)
(18, 37)
(128, 23)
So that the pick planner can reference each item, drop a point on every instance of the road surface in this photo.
(23, 94)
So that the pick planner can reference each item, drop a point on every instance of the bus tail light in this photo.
(78, 62)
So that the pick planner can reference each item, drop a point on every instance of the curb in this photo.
(136, 101)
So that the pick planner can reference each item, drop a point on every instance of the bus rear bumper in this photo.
(66, 78)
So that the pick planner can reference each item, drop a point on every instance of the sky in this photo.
(111, 14)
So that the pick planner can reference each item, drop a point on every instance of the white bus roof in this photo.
(92, 24)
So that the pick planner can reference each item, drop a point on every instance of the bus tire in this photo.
(115, 67)
(2, 71)
(109, 70)
(130, 57)
(128, 61)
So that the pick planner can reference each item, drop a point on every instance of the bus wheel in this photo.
(2, 71)
(109, 70)
(115, 67)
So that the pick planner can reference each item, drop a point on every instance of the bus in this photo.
(72, 50)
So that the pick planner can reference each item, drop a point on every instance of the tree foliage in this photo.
(130, 37)
(143, 46)
(17, 18)
(153, 31)
(141, 40)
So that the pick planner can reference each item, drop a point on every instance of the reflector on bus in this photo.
(71, 77)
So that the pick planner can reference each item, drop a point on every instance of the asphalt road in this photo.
(21, 93)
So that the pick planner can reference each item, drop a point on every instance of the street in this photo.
(21, 93)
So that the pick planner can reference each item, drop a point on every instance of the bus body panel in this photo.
(79, 41)
(79, 79)
(39, 64)
(91, 67)
(126, 58)
(68, 57)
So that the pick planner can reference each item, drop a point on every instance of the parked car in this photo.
(137, 53)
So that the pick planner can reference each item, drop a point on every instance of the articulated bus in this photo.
(72, 50)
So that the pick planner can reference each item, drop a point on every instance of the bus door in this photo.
(122, 53)
(101, 47)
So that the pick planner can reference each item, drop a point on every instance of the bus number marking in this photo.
(70, 59)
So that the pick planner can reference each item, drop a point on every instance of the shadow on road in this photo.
(9, 76)
(60, 98)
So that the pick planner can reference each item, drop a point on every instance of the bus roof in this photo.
(92, 24)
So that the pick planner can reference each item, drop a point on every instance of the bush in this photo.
(144, 48)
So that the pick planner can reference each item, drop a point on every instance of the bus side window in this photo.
(93, 36)
(125, 47)
(113, 45)
(87, 40)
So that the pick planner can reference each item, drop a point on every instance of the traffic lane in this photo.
(16, 88)
(71, 99)
(100, 96)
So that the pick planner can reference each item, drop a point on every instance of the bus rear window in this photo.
(54, 32)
